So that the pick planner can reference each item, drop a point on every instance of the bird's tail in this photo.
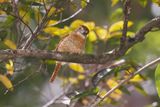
(55, 72)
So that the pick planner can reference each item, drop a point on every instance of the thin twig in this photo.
(125, 81)
(68, 18)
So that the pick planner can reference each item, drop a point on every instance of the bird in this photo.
(72, 43)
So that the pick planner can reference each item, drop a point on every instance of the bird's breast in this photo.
(73, 44)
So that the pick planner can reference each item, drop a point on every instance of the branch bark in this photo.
(84, 58)
(126, 11)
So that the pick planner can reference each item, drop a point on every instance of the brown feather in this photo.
(55, 72)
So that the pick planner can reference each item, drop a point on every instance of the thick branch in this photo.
(84, 58)
(67, 57)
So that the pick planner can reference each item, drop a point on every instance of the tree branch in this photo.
(126, 11)
(140, 35)
(84, 58)
(125, 80)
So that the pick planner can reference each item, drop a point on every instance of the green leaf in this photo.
(117, 14)
(83, 3)
(157, 79)
(143, 2)
(92, 91)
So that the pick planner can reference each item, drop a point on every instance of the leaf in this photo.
(10, 67)
(55, 31)
(117, 14)
(117, 93)
(10, 44)
(51, 22)
(143, 2)
(114, 2)
(92, 36)
(81, 77)
(77, 67)
(92, 91)
(73, 80)
(25, 15)
(157, 79)
(52, 11)
(104, 73)
(156, 2)
(75, 24)
(102, 33)
(83, 3)
(90, 25)
(119, 34)
(6, 82)
(125, 90)
(119, 26)
(136, 78)
(138, 87)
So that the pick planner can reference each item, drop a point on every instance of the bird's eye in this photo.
(84, 30)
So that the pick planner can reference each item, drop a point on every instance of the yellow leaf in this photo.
(10, 67)
(117, 93)
(119, 26)
(73, 80)
(114, 2)
(51, 22)
(136, 78)
(89, 25)
(62, 32)
(6, 82)
(10, 44)
(119, 34)
(54, 31)
(51, 12)
(26, 17)
(50, 30)
(77, 67)
(102, 93)
(75, 24)
(102, 33)
(83, 3)
(92, 36)
(81, 77)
